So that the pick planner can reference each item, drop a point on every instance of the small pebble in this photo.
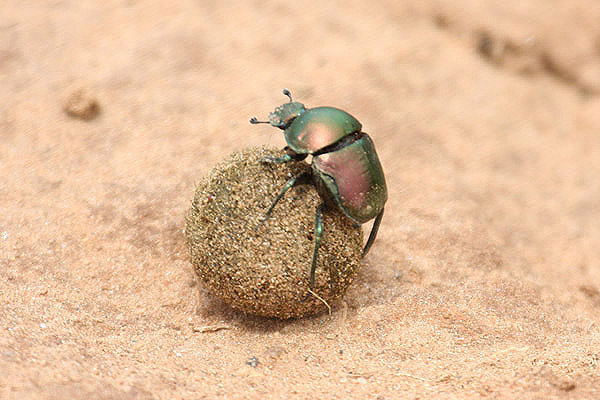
(252, 361)
(81, 103)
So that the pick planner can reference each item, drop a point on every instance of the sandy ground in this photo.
(484, 280)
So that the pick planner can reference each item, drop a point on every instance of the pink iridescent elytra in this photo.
(354, 175)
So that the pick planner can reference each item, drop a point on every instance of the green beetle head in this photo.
(283, 115)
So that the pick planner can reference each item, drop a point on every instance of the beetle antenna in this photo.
(253, 120)
(288, 94)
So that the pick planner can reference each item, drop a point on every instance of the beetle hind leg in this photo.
(304, 178)
(373, 233)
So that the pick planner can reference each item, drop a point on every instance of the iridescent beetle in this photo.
(345, 167)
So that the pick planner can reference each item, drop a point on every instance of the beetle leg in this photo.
(304, 178)
(318, 233)
(277, 160)
(373, 233)
(290, 155)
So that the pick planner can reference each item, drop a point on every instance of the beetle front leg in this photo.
(276, 160)
(290, 155)
(373, 233)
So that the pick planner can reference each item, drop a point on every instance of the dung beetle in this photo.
(345, 168)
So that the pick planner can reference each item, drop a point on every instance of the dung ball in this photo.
(259, 266)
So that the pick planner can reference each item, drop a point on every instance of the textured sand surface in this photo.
(484, 280)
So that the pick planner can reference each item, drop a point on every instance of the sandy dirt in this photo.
(485, 278)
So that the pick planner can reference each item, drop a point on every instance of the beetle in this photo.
(345, 168)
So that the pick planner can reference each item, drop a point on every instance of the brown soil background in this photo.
(484, 280)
